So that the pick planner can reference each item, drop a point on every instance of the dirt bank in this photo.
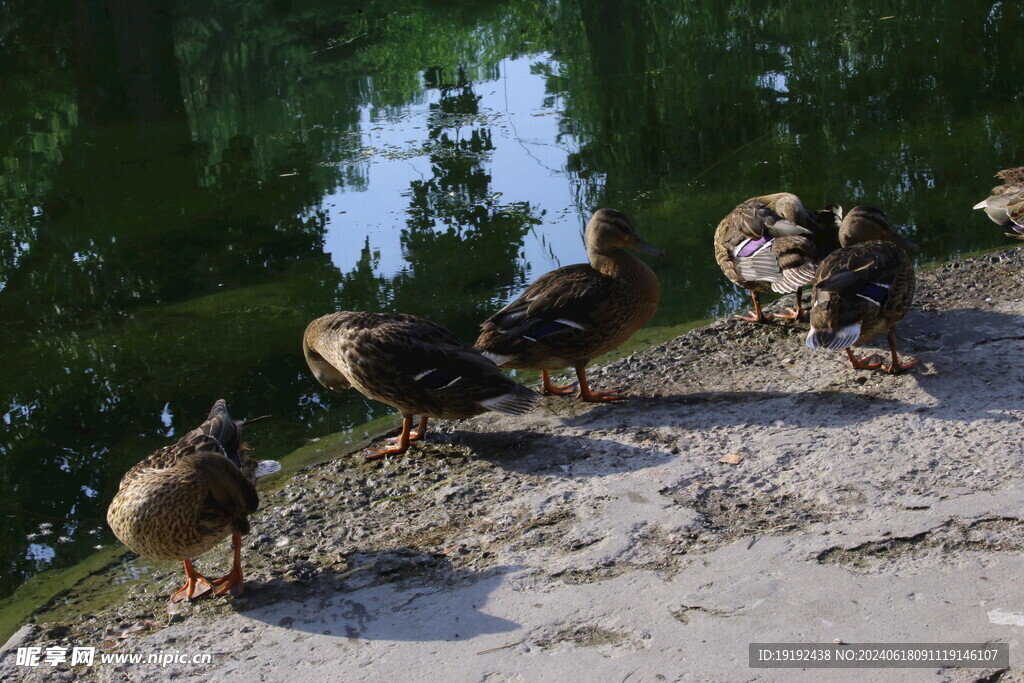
(610, 542)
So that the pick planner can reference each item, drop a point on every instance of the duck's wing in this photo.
(420, 375)
(845, 270)
(773, 249)
(1015, 211)
(567, 299)
(857, 285)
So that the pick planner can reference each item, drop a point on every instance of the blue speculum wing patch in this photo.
(545, 328)
(875, 293)
(438, 379)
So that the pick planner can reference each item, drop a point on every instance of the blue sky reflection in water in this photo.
(163, 241)
(527, 163)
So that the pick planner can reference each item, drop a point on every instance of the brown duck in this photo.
(773, 244)
(1005, 205)
(187, 497)
(413, 365)
(863, 289)
(576, 313)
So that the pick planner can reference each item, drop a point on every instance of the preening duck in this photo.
(863, 289)
(773, 244)
(574, 314)
(1005, 204)
(183, 499)
(413, 365)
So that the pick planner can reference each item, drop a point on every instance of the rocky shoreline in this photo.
(749, 491)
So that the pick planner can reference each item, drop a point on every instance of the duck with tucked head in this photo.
(1005, 204)
(413, 365)
(863, 289)
(574, 314)
(773, 244)
(187, 497)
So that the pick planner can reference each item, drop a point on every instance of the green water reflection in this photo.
(184, 185)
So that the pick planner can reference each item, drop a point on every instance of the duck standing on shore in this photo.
(413, 365)
(575, 313)
(863, 289)
(1005, 204)
(770, 244)
(187, 497)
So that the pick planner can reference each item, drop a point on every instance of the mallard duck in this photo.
(187, 497)
(576, 313)
(773, 244)
(413, 365)
(863, 289)
(1005, 205)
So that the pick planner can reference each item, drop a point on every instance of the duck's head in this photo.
(866, 223)
(609, 230)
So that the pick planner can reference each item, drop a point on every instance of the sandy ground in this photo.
(611, 542)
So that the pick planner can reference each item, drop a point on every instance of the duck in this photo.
(185, 498)
(863, 289)
(773, 243)
(573, 314)
(413, 365)
(1005, 204)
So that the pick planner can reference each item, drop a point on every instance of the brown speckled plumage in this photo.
(185, 498)
(863, 289)
(410, 363)
(575, 313)
(756, 218)
(789, 261)
(1005, 204)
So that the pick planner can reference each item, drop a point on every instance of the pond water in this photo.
(183, 187)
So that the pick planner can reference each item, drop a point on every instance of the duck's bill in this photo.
(646, 248)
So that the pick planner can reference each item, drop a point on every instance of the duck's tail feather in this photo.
(265, 467)
(498, 359)
(838, 340)
(220, 426)
(516, 401)
(793, 278)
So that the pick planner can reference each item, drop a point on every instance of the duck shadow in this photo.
(825, 408)
(962, 387)
(976, 356)
(563, 455)
(399, 594)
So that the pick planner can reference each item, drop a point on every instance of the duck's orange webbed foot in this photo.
(601, 396)
(753, 317)
(798, 313)
(585, 394)
(548, 388)
(195, 586)
(756, 315)
(794, 314)
(401, 441)
(872, 362)
(232, 581)
(895, 367)
(380, 453)
(421, 431)
(898, 367)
